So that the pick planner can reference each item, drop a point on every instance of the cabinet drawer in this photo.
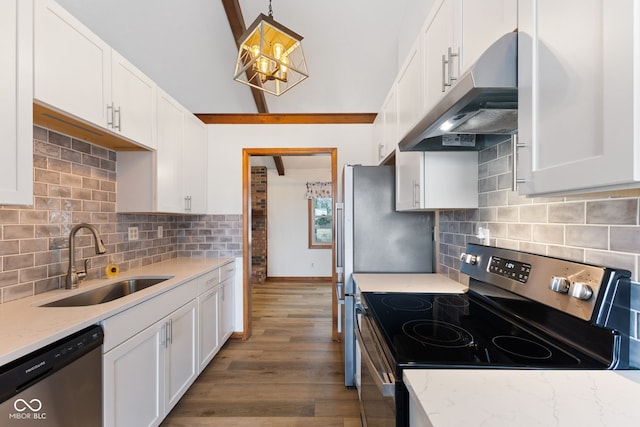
(123, 326)
(227, 271)
(208, 281)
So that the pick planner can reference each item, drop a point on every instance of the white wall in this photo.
(288, 226)
(227, 141)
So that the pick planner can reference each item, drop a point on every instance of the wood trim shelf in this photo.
(59, 122)
(287, 119)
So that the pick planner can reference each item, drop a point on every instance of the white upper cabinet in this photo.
(78, 74)
(169, 155)
(389, 123)
(455, 35)
(436, 180)
(133, 102)
(16, 94)
(173, 178)
(194, 165)
(72, 65)
(439, 54)
(409, 91)
(578, 96)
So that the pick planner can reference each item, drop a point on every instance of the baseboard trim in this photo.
(299, 279)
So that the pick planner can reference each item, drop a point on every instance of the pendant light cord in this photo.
(270, 10)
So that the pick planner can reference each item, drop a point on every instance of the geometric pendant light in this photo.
(270, 56)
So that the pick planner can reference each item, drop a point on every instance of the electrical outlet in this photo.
(133, 233)
(160, 232)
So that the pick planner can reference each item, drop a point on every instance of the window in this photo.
(320, 222)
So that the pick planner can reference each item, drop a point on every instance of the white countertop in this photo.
(25, 327)
(523, 398)
(407, 282)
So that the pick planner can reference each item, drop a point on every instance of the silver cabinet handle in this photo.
(451, 55)
(170, 328)
(116, 112)
(110, 115)
(444, 72)
(187, 204)
(514, 163)
(447, 68)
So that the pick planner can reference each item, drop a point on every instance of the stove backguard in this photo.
(584, 305)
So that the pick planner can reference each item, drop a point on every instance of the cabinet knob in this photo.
(581, 291)
(559, 284)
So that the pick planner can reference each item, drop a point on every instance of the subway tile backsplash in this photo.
(598, 230)
(75, 182)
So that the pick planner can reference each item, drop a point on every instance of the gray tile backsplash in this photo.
(74, 182)
(599, 230)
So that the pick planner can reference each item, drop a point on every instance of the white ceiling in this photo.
(186, 46)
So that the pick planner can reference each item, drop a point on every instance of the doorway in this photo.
(247, 154)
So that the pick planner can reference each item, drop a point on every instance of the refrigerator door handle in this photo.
(340, 242)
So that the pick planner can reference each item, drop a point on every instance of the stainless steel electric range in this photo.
(522, 311)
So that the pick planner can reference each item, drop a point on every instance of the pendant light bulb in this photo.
(255, 50)
(278, 50)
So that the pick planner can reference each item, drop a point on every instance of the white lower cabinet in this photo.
(208, 313)
(182, 352)
(227, 309)
(155, 350)
(146, 376)
(134, 380)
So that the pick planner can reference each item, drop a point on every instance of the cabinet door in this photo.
(378, 137)
(390, 123)
(194, 164)
(227, 310)
(208, 326)
(577, 89)
(438, 38)
(16, 98)
(410, 91)
(134, 102)
(482, 23)
(182, 353)
(133, 375)
(450, 180)
(408, 180)
(72, 65)
(169, 154)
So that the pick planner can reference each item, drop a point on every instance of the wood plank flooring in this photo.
(288, 374)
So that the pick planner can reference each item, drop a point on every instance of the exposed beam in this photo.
(236, 22)
(281, 119)
(279, 165)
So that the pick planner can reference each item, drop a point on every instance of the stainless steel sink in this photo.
(108, 292)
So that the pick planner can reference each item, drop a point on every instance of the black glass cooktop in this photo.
(459, 330)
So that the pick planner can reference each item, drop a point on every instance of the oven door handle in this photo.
(385, 381)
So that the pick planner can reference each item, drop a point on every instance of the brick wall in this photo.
(75, 182)
(258, 224)
(603, 230)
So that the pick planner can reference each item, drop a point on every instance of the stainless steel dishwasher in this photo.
(58, 385)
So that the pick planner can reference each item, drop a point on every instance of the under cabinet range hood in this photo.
(479, 109)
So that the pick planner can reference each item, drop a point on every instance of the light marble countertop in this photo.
(25, 327)
(408, 282)
(523, 398)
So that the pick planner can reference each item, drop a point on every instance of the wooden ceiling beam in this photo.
(236, 22)
(288, 119)
(279, 165)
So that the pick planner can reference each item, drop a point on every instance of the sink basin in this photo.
(108, 292)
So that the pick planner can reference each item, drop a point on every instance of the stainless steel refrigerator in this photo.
(372, 237)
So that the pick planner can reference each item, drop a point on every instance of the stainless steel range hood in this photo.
(484, 101)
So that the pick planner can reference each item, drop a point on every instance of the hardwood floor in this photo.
(289, 373)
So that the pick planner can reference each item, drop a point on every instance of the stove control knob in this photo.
(559, 284)
(469, 259)
(581, 291)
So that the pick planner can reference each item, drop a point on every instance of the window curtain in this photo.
(317, 189)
